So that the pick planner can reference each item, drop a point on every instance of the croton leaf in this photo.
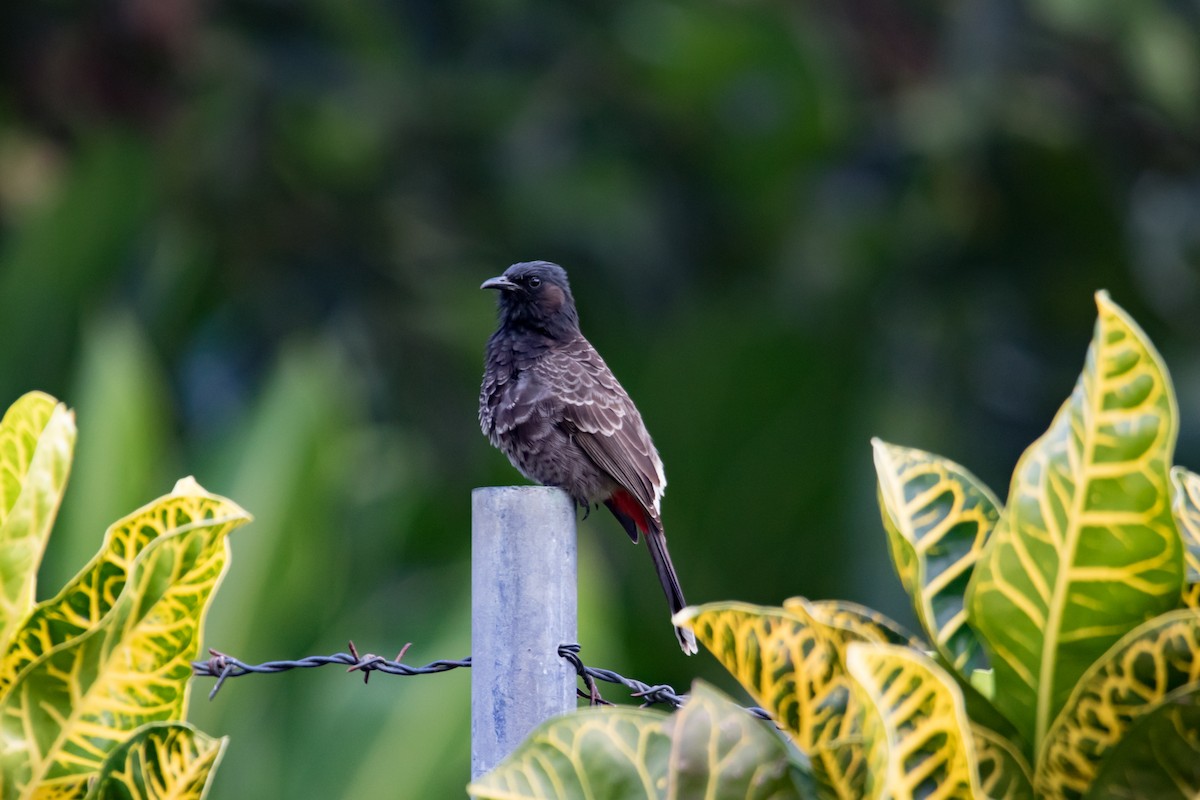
(871, 625)
(789, 664)
(977, 696)
(928, 750)
(1003, 771)
(593, 752)
(1185, 502)
(37, 440)
(718, 750)
(77, 702)
(1086, 547)
(89, 595)
(1139, 671)
(1160, 755)
(938, 517)
(160, 761)
(840, 768)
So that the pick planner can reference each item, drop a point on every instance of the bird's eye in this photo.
(534, 281)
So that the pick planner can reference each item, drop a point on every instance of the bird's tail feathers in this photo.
(656, 540)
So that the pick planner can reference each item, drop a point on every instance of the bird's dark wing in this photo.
(603, 420)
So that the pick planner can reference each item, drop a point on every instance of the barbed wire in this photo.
(223, 666)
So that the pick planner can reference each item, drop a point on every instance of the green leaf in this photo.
(927, 746)
(870, 625)
(982, 710)
(1086, 547)
(593, 752)
(788, 663)
(841, 767)
(77, 702)
(937, 516)
(1138, 672)
(1003, 771)
(90, 594)
(718, 750)
(1185, 503)
(37, 439)
(160, 761)
(791, 664)
(1159, 757)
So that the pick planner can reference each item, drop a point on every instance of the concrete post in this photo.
(523, 606)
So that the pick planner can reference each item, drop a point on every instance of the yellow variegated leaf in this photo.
(718, 750)
(160, 761)
(1141, 669)
(840, 767)
(91, 593)
(928, 750)
(1003, 771)
(77, 702)
(788, 663)
(1086, 547)
(876, 745)
(1160, 756)
(37, 440)
(20, 430)
(593, 752)
(869, 624)
(1185, 502)
(60, 792)
(937, 516)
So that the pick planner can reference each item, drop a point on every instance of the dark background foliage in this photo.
(243, 240)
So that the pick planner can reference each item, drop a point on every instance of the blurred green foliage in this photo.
(243, 239)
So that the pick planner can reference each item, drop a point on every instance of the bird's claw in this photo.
(587, 507)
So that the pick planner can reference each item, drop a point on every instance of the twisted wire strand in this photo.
(223, 666)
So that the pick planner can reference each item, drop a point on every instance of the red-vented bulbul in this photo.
(551, 404)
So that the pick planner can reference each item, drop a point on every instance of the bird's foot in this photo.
(587, 507)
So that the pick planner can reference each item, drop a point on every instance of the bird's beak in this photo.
(499, 282)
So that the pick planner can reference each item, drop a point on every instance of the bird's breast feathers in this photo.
(571, 387)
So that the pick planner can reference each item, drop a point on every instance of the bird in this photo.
(550, 403)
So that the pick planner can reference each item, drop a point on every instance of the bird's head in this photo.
(535, 295)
